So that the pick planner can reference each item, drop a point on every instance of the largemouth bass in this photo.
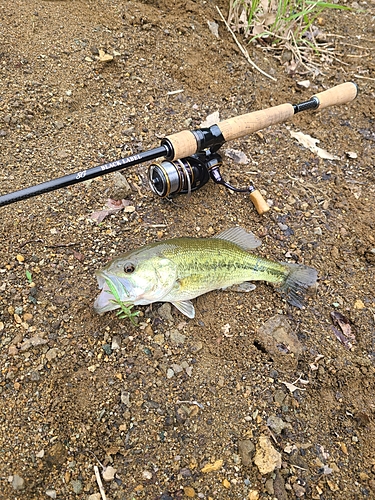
(180, 269)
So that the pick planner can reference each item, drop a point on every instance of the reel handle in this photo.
(259, 202)
(185, 143)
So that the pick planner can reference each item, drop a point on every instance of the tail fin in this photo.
(300, 277)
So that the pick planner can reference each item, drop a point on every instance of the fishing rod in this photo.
(191, 157)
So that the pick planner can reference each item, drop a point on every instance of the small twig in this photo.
(31, 241)
(244, 51)
(99, 481)
(191, 403)
(62, 245)
(351, 36)
(364, 77)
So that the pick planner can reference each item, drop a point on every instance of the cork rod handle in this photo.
(341, 94)
(184, 143)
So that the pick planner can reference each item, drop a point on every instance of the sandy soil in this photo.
(181, 408)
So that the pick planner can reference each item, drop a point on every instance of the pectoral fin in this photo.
(186, 307)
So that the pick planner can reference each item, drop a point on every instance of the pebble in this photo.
(107, 349)
(277, 425)
(277, 338)
(246, 450)
(176, 337)
(51, 494)
(299, 490)
(170, 373)
(77, 486)
(147, 475)
(116, 343)
(57, 454)
(267, 458)
(95, 496)
(109, 473)
(196, 347)
(189, 492)
(18, 482)
(164, 312)
(52, 353)
(212, 467)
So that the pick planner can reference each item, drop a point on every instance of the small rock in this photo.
(51, 494)
(304, 84)
(246, 450)
(116, 343)
(237, 156)
(177, 337)
(358, 304)
(226, 483)
(268, 485)
(189, 492)
(104, 57)
(267, 458)
(164, 312)
(109, 473)
(214, 28)
(212, 467)
(12, 351)
(277, 425)
(299, 490)
(279, 487)
(18, 482)
(77, 486)
(196, 347)
(57, 454)
(170, 373)
(125, 398)
(147, 475)
(277, 338)
(107, 349)
(95, 496)
(121, 187)
(33, 342)
(52, 353)
(159, 338)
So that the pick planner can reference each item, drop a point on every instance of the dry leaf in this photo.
(113, 207)
(311, 143)
(210, 120)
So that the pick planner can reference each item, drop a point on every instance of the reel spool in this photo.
(185, 175)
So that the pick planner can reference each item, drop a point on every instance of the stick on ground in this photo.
(242, 49)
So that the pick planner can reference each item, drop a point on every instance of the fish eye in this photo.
(128, 268)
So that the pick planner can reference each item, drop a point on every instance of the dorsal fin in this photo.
(237, 235)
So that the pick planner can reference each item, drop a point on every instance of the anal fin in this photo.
(246, 286)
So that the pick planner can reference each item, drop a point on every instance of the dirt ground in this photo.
(179, 408)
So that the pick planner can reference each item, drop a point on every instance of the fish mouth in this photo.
(105, 301)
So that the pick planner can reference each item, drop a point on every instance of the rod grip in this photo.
(242, 125)
(259, 202)
(341, 94)
(184, 143)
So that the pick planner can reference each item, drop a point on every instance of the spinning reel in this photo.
(185, 175)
